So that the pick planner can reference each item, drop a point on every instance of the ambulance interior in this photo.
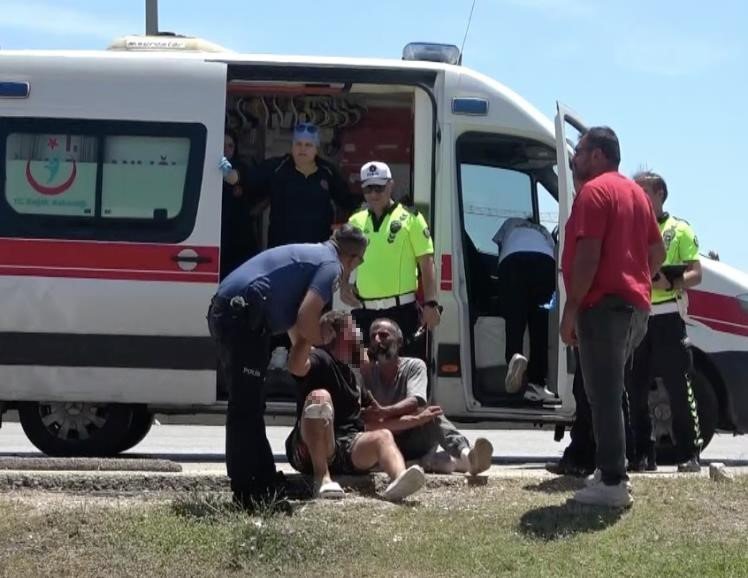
(501, 177)
(357, 123)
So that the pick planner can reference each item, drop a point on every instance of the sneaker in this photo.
(438, 463)
(692, 466)
(480, 456)
(407, 483)
(596, 477)
(540, 393)
(599, 494)
(515, 373)
(328, 490)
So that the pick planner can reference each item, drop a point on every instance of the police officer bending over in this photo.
(283, 289)
(399, 244)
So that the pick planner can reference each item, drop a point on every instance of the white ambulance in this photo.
(110, 226)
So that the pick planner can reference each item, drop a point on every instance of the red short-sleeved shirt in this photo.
(617, 211)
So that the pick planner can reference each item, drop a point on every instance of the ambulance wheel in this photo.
(707, 404)
(76, 429)
(141, 423)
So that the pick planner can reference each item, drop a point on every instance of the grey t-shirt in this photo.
(410, 381)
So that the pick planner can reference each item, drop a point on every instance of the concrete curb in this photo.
(88, 464)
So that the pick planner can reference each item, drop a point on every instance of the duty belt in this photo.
(388, 302)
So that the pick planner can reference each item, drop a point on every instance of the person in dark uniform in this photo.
(301, 188)
(400, 245)
(283, 289)
(238, 237)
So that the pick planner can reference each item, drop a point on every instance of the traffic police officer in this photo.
(302, 188)
(283, 289)
(399, 245)
(664, 352)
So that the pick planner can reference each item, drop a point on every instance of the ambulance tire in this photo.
(141, 423)
(53, 427)
(707, 404)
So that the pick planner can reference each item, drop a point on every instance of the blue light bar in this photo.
(14, 89)
(471, 106)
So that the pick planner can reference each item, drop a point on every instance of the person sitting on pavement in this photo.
(527, 280)
(398, 386)
(328, 437)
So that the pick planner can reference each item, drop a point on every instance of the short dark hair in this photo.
(349, 240)
(393, 323)
(605, 139)
(654, 179)
(337, 319)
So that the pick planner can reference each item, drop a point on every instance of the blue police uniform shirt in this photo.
(282, 276)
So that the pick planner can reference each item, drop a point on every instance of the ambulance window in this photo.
(51, 174)
(490, 196)
(143, 176)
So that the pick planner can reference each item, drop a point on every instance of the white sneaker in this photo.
(407, 483)
(480, 456)
(599, 494)
(515, 373)
(536, 392)
(438, 463)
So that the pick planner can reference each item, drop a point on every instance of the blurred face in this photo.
(383, 341)
(303, 152)
(378, 197)
(229, 146)
(345, 342)
(582, 162)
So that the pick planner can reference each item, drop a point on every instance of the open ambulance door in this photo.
(568, 128)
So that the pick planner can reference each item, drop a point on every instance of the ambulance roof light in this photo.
(432, 52)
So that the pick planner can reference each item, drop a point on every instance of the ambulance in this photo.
(110, 228)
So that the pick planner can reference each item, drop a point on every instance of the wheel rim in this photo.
(73, 421)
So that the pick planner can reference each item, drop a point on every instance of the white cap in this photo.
(375, 173)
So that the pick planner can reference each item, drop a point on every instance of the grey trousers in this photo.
(608, 333)
(417, 442)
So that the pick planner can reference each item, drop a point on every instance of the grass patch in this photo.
(677, 527)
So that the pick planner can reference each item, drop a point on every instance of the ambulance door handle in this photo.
(188, 259)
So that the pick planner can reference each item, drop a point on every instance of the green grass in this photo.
(677, 527)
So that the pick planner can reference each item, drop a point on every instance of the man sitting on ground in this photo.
(329, 436)
(399, 388)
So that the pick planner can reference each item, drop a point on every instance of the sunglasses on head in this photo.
(306, 127)
(374, 188)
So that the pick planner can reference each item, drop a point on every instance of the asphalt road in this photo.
(204, 444)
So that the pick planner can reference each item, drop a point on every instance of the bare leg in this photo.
(378, 447)
(317, 435)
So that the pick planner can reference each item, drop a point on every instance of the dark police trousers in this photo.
(608, 333)
(406, 316)
(244, 353)
(664, 353)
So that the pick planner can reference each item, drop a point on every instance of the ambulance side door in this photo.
(568, 128)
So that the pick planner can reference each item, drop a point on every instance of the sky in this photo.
(670, 77)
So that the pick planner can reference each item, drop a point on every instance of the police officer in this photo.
(283, 289)
(399, 246)
(301, 188)
(664, 352)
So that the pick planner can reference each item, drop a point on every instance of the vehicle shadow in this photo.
(556, 485)
(558, 522)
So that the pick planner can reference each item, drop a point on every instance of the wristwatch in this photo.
(433, 303)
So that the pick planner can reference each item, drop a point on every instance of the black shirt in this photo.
(301, 207)
(337, 378)
(238, 239)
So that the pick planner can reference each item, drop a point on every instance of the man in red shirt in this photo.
(612, 248)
